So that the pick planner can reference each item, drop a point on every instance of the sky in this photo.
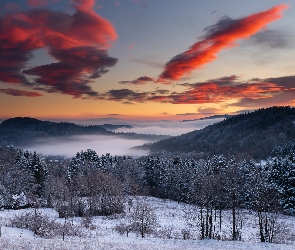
(145, 59)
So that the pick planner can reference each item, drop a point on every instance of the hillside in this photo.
(21, 131)
(169, 233)
(249, 135)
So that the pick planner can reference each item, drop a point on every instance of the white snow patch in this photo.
(170, 214)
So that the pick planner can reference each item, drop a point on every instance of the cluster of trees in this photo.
(23, 177)
(89, 184)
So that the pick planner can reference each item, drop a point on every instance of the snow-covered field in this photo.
(171, 217)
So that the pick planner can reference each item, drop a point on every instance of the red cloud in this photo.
(75, 70)
(222, 35)
(77, 41)
(214, 91)
(18, 92)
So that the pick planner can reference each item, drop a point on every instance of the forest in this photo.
(250, 135)
(89, 185)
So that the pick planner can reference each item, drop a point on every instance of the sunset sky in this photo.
(145, 59)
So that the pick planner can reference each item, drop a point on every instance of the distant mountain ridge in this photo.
(209, 118)
(113, 127)
(249, 135)
(21, 131)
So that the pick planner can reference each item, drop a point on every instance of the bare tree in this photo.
(143, 218)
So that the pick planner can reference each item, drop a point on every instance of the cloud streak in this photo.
(18, 92)
(218, 90)
(139, 81)
(222, 35)
(78, 43)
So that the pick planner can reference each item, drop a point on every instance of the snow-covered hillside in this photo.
(169, 232)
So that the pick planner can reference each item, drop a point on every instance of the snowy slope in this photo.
(170, 216)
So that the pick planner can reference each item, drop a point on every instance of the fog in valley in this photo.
(163, 127)
(69, 146)
(172, 128)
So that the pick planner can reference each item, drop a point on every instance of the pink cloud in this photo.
(222, 35)
(18, 92)
(78, 42)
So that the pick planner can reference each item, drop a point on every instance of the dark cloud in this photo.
(76, 41)
(139, 81)
(18, 92)
(222, 35)
(188, 114)
(226, 79)
(285, 98)
(13, 59)
(126, 95)
(285, 81)
(74, 71)
(271, 38)
(161, 91)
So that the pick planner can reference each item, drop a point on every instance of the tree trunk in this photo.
(262, 238)
(234, 233)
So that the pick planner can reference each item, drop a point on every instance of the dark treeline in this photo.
(91, 185)
(246, 136)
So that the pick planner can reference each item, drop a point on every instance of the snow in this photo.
(170, 216)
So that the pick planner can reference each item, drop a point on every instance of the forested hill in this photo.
(21, 131)
(249, 135)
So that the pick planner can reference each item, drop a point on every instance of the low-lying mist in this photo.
(69, 146)
(172, 128)
(166, 127)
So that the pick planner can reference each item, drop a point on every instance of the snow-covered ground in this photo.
(171, 217)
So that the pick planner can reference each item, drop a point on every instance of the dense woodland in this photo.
(246, 136)
(91, 185)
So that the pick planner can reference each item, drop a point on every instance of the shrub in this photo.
(42, 226)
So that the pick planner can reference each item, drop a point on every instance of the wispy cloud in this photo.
(126, 95)
(149, 63)
(222, 35)
(78, 42)
(218, 90)
(139, 81)
(18, 92)
(214, 92)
